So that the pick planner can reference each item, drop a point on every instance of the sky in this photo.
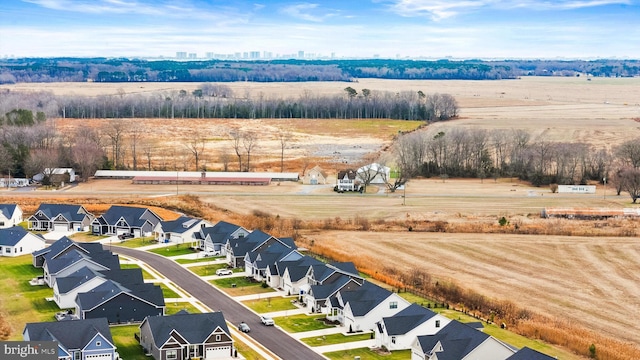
(459, 29)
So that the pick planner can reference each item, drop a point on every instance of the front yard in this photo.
(206, 270)
(270, 304)
(300, 323)
(365, 353)
(240, 285)
(336, 339)
(127, 346)
(173, 250)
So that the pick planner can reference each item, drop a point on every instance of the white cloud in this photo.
(308, 12)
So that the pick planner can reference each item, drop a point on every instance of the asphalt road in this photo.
(274, 339)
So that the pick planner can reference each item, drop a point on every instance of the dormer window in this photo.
(437, 323)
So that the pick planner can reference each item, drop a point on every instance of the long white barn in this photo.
(130, 174)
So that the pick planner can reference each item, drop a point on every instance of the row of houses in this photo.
(89, 284)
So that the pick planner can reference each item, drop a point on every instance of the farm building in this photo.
(315, 176)
(589, 213)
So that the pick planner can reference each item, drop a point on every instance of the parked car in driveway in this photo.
(221, 272)
(244, 327)
(208, 253)
(266, 320)
(125, 236)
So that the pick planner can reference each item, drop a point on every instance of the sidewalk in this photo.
(318, 333)
(285, 313)
(346, 346)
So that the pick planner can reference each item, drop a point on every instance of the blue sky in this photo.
(496, 29)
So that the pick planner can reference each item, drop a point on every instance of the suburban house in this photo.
(360, 308)
(373, 174)
(185, 336)
(119, 303)
(86, 279)
(10, 215)
(181, 230)
(69, 262)
(118, 220)
(399, 331)
(238, 248)
(214, 238)
(257, 262)
(60, 217)
(529, 354)
(459, 341)
(347, 181)
(16, 241)
(79, 339)
(61, 247)
(324, 281)
(315, 176)
(291, 275)
(58, 176)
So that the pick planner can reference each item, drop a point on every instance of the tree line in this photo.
(139, 70)
(479, 153)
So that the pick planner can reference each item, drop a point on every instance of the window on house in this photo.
(77, 355)
(98, 343)
(393, 339)
(437, 323)
(7, 250)
(393, 305)
(218, 338)
(172, 354)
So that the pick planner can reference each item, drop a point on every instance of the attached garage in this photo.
(220, 352)
(120, 231)
(60, 227)
(99, 357)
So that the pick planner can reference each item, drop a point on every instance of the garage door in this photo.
(60, 227)
(218, 352)
(98, 357)
(120, 231)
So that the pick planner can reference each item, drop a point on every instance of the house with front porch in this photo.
(60, 217)
(399, 331)
(10, 215)
(459, 341)
(61, 266)
(132, 220)
(16, 241)
(78, 339)
(185, 336)
(255, 241)
(257, 262)
(290, 274)
(179, 231)
(214, 238)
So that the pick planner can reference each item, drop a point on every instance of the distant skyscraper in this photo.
(254, 55)
(193, 56)
(301, 54)
(181, 55)
(210, 55)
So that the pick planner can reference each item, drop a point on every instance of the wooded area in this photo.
(137, 70)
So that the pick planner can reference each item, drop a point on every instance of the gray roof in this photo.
(131, 214)
(73, 213)
(195, 328)
(529, 354)
(179, 225)
(104, 258)
(72, 335)
(328, 289)
(122, 276)
(407, 319)
(220, 232)
(298, 268)
(150, 292)
(363, 299)
(242, 246)
(456, 338)
(8, 209)
(11, 236)
(57, 247)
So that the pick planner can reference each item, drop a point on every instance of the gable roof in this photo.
(327, 289)
(57, 247)
(349, 174)
(529, 354)
(104, 292)
(105, 258)
(457, 340)
(73, 213)
(364, 298)
(11, 236)
(8, 210)
(122, 276)
(241, 246)
(179, 225)
(407, 319)
(298, 268)
(195, 328)
(74, 334)
(131, 214)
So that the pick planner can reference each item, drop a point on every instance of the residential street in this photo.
(272, 338)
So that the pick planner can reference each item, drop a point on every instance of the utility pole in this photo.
(604, 180)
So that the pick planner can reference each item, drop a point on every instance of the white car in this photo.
(209, 253)
(266, 320)
(221, 272)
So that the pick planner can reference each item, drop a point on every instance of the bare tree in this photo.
(629, 152)
(283, 137)
(237, 136)
(87, 153)
(196, 144)
(249, 142)
(135, 134)
(115, 131)
(225, 159)
(6, 161)
(630, 182)
(148, 148)
(41, 161)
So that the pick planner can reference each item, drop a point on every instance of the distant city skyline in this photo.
(484, 29)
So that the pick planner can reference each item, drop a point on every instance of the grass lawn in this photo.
(335, 339)
(365, 353)
(135, 243)
(300, 323)
(193, 261)
(173, 250)
(243, 286)
(126, 344)
(167, 292)
(270, 304)
(206, 270)
(174, 307)
(246, 351)
(145, 275)
(22, 303)
(86, 237)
